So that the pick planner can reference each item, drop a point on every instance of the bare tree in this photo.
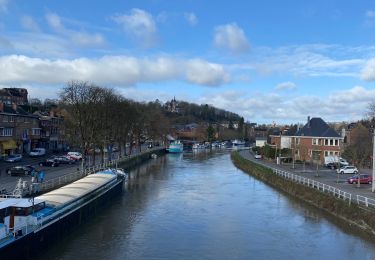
(359, 150)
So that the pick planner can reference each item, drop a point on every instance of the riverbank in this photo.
(59, 176)
(353, 214)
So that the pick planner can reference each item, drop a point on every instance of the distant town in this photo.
(31, 123)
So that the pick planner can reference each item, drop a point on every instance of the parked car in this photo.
(363, 178)
(37, 152)
(63, 159)
(333, 165)
(20, 170)
(75, 155)
(49, 162)
(14, 158)
(258, 156)
(348, 169)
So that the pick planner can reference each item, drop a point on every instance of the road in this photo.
(8, 182)
(324, 175)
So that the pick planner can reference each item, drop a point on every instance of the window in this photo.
(36, 131)
(5, 118)
(6, 131)
(331, 142)
(325, 141)
(336, 142)
(11, 118)
(315, 141)
(325, 153)
(297, 141)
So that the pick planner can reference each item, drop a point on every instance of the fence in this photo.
(71, 177)
(68, 178)
(346, 196)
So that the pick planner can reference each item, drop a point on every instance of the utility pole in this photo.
(293, 152)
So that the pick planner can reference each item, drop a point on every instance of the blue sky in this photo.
(269, 61)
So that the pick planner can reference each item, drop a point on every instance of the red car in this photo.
(364, 178)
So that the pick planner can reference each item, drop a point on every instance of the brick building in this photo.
(315, 140)
(19, 130)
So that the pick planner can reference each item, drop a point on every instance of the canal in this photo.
(199, 206)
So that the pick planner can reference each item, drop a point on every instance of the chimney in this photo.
(14, 106)
(308, 121)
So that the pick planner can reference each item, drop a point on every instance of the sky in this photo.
(269, 61)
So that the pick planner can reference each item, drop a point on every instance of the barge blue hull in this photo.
(30, 246)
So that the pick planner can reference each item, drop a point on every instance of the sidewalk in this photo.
(324, 175)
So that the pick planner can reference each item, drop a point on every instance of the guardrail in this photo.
(62, 180)
(71, 177)
(321, 186)
(346, 196)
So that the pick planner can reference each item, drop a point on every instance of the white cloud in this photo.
(310, 60)
(231, 37)
(3, 5)
(203, 73)
(139, 25)
(54, 22)
(345, 105)
(370, 13)
(368, 72)
(113, 70)
(286, 85)
(29, 23)
(191, 18)
(79, 38)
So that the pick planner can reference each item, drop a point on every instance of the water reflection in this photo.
(199, 206)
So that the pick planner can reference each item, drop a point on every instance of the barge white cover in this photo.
(77, 189)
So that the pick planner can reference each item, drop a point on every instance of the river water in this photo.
(199, 206)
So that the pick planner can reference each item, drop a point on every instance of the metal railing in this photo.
(71, 177)
(321, 187)
(8, 196)
(325, 188)
(365, 201)
(346, 196)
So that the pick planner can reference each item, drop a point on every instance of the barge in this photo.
(29, 225)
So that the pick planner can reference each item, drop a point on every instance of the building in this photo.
(260, 141)
(52, 130)
(19, 130)
(315, 140)
(16, 96)
(172, 106)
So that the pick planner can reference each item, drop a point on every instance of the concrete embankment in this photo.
(139, 158)
(353, 214)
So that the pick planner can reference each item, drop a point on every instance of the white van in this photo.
(37, 152)
(335, 159)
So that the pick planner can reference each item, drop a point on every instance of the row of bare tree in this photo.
(98, 117)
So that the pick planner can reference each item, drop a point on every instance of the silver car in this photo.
(348, 169)
(14, 158)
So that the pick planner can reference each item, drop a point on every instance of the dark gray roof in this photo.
(19, 111)
(317, 128)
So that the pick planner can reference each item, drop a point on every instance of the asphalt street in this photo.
(8, 183)
(323, 175)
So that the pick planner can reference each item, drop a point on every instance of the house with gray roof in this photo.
(314, 141)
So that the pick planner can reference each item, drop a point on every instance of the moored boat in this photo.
(27, 225)
(175, 147)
